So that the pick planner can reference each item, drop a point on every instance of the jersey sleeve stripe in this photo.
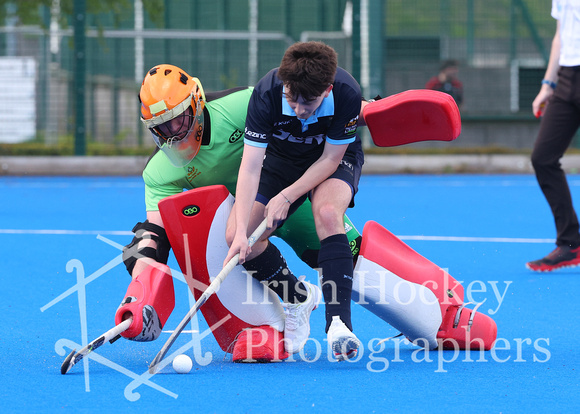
(340, 141)
(255, 144)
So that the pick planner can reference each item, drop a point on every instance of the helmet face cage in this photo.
(176, 126)
(180, 137)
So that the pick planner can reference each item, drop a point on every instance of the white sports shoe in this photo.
(297, 326)
(343, 342)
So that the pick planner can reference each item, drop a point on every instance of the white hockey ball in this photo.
(182, 364)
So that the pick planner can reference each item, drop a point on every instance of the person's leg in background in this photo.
(558, 126)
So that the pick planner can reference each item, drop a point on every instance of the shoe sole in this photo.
(549, 268)
(348, 344)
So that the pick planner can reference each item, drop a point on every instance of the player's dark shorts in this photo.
(279, 173)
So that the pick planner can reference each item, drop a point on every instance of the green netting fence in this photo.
(502, 47)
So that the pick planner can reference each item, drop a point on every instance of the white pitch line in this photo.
(67, 184)
(410, 237)
(477, 239)
(65, 232)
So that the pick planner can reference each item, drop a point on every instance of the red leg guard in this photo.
(384, 262)
(464, 328)
(195, 222)
(150, 299)
(261, 344)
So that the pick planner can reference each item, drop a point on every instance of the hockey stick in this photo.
(211, 289)
(111, 335)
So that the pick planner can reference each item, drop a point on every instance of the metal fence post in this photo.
(470, 31)
(79, 13)
(376, 37)
(356, 69)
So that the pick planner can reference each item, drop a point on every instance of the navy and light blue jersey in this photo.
(272, 124)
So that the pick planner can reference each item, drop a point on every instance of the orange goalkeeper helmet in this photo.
(172, 105)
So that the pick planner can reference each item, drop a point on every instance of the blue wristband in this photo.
(549, 82)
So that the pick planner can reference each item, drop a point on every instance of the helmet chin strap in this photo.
(170, 142)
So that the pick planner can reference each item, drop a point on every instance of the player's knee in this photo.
(258, 248)
(328, 218)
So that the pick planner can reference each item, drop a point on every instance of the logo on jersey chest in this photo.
(192, 172)
(287, 136)
(286, 122)
(236, 136)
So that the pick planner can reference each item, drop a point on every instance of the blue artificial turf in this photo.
(481, 228)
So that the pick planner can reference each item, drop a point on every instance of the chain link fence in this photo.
(501, 46)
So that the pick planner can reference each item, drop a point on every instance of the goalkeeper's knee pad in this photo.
(149, 300)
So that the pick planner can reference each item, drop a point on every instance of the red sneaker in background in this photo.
(561, 256)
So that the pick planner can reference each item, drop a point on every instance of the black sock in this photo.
(271, 269)
(335, 259)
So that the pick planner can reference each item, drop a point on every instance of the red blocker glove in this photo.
(149, 300)
(412, 116)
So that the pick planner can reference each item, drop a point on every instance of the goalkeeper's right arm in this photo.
(149, 301)
(149, 245)
(150, 297)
